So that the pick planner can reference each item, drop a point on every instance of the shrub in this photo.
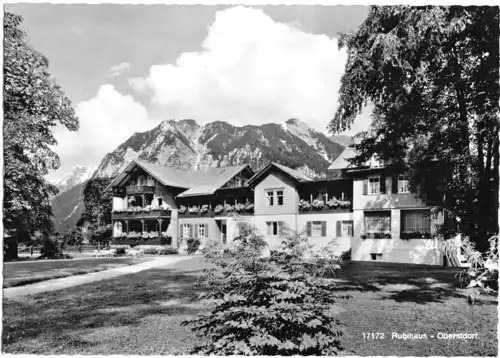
(50, 247)
(193, 245)
(167, 251)
(483, 269)
(274, 306)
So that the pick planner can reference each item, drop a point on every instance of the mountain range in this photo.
(185, 143)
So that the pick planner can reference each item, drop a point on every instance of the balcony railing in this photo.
(140, 189)
(139, 214)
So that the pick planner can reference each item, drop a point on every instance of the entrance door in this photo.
(223, 231)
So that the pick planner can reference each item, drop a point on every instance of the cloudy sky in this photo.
(128, 67)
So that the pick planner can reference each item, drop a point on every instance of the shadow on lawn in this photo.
(122, 301)
(402, 283)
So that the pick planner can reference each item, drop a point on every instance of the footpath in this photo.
(62, 283)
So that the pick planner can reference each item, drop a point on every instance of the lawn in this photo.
(141, 314)
(26, 272)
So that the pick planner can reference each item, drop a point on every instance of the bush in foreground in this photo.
(193, 245)
(267, 306)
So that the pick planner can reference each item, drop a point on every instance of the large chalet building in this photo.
(368, 209)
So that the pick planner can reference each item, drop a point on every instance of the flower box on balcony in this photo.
(141, 213)
(186, 214)
(376, 235)
(414, 235)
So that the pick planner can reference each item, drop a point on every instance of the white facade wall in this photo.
(331, 218)
(413, 251)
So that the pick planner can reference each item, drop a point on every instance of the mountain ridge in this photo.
(215, 144)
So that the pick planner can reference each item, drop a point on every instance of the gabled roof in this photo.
(294, 174)
(213, 179)
(169, 176)
(197, 182)
(341, 161)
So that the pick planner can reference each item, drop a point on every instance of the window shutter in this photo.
(382, 184)
(351, 228)
(195, 230)
(269, 228)
(339, 228)
(394, 184)
(206, 230)
(308, 229)
(323, 228)
(365, 187)
(191, 230)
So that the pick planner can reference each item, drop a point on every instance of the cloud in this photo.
(106, 121)
(251, 70)
(119, 69)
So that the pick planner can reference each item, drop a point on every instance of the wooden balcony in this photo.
(207, 214)
(153, 214)
(140, 189)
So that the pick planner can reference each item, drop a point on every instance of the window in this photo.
(403, 184)
(316, 228)
(279, 197)
(201, 230)
(377, 222)
(273, 228)
(415, 221)
(374, 185)
(270, 198)
(160, 201)
(347, 229)
(140, 180)
(186, 230)
(274, 197)
(237, 181)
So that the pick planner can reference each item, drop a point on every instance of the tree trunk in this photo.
(10, 247)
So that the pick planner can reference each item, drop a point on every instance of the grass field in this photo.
(23, 273)
(141, 314)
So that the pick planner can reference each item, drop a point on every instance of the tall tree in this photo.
(33, 105)
(98, 204)
(432, 75)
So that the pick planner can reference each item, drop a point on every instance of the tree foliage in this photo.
(432, 75)
(98, 203)
(267, 306)
(33, 105)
